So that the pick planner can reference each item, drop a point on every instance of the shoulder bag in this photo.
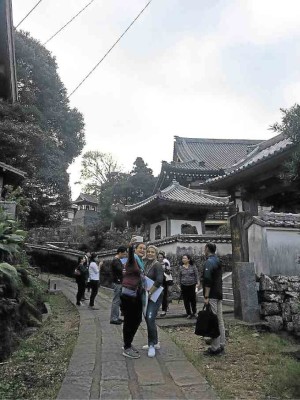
(207, 323)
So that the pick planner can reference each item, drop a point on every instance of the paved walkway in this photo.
(98, 370)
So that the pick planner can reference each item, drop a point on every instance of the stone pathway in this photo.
(98, 370)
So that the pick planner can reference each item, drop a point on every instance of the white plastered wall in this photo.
(274, 251)
(163, 225)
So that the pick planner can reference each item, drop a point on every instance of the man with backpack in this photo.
(213, 295)
(117, 277)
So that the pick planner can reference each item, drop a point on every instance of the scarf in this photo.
(140, 262)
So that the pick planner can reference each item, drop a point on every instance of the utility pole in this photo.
(8, 80)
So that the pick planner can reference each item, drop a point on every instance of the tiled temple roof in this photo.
(193, 239)
(210, 154)
(271, 219)
(84, 197)
(265, 150)
(176, 193)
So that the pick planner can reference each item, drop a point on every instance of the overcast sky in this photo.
(193, 68)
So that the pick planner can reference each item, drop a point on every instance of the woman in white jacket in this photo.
(94, 274)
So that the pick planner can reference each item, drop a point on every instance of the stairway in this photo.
(228, 299)
(227, 289)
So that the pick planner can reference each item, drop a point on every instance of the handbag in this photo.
(168, 279)
(128, 292)
(207, 323)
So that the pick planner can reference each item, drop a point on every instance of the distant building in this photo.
(86, 211)
(177, 210)
(8, 80)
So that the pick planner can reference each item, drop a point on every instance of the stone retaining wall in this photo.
(280, 302)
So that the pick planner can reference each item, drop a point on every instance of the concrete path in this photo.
(98, 370)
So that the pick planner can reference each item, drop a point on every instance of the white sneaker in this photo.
(156, 346)
(151, 351)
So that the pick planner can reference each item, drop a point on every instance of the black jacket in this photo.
(117, 270)
(212, 277)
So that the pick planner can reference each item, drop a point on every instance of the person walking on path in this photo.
(117, 275)
(154, 271)
(81, 274)
(168, 280)
(87, 257)
(94, 275)
(188, 279)
(131, 297)
(213, 294)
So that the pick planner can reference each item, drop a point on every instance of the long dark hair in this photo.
(131, 263)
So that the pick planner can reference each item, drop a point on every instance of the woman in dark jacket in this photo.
(188, 279)
(154, 271)
(81, 275)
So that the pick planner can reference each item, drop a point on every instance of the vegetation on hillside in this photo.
(41, 134)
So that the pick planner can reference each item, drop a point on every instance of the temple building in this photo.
(177, 210)
(257, 180)
(196, 160)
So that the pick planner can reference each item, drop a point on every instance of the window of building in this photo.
(188, 229)
(157, 232)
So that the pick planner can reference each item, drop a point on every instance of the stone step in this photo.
(227, 296)
(228, 302)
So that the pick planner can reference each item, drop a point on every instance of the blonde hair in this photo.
(151, 246)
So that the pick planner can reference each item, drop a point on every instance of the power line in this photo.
(106, 54)
(28, 13)
(72, 19)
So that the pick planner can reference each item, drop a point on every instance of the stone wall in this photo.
(280, 302)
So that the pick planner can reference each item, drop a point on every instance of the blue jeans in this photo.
(150, 316)
(115, 306)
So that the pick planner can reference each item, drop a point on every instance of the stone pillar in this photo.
(54, 285)
(246, 299)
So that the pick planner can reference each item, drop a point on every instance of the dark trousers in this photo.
(189, 298)
(80, 290)
(132, 310)
(165, 299)
(94, 285)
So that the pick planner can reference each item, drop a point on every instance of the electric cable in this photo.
(106, 54)
(72, 19)
(27, 15)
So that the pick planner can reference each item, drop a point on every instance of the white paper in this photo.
(146, 299)
(155, 295)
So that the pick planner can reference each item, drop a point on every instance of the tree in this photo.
(98, 169)
(41, 134)
(290, 128)
(114, 187)
(142, 181)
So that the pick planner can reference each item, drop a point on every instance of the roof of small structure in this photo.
(86, 198)
(14, 170)
(270, 219)
(177, 194)
(209, 154)
(264, 151)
